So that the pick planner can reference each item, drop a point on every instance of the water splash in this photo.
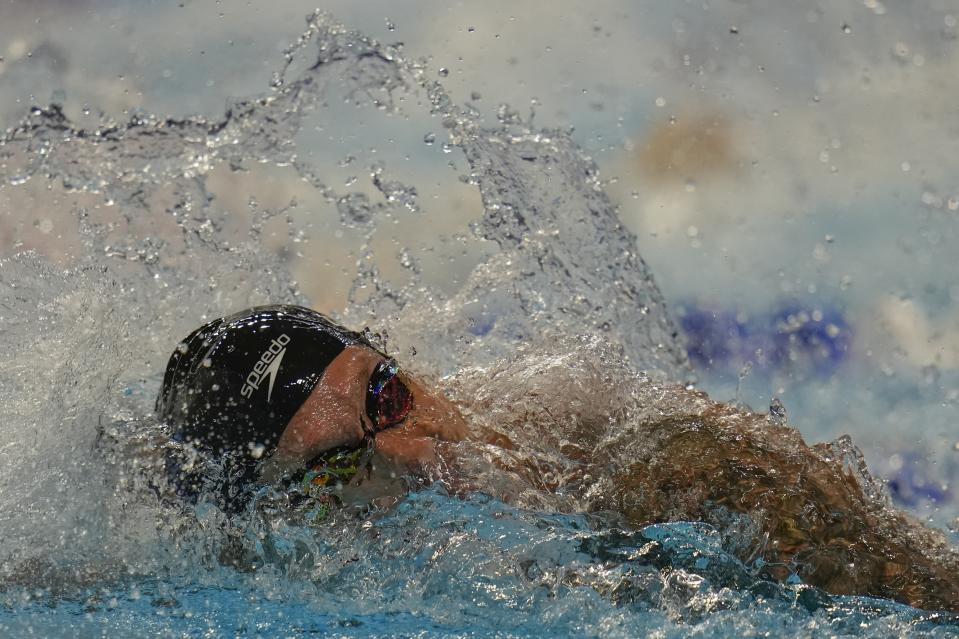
(158, 255)
(566, 263)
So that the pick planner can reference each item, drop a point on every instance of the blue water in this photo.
(448, 567)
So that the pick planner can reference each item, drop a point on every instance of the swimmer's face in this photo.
(337, 414)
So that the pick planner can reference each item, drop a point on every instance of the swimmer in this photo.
(282, 396)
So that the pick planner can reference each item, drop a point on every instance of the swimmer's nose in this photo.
(433, 415)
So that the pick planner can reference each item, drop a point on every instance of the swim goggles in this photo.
(388, 400)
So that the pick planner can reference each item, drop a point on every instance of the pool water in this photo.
(450, 567)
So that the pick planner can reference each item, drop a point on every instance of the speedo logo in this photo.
(266, 367)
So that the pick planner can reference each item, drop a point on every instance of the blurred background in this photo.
(789, 169)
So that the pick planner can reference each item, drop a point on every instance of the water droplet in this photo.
(443, 72)
(507, 115)
(355, 208)
(429, 138)
(846, 28)
(777, 412)
(389, 25)
(407, 260)
(743, 374)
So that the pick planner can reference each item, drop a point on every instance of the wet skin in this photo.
(814, 517)
(335, 415)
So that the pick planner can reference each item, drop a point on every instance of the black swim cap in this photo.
(234, 384)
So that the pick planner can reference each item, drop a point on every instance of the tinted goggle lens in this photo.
(388, 400)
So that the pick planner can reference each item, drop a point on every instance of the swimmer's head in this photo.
(277, 390)
(235, 383)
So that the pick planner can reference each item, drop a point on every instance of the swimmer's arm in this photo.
(814, 517)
